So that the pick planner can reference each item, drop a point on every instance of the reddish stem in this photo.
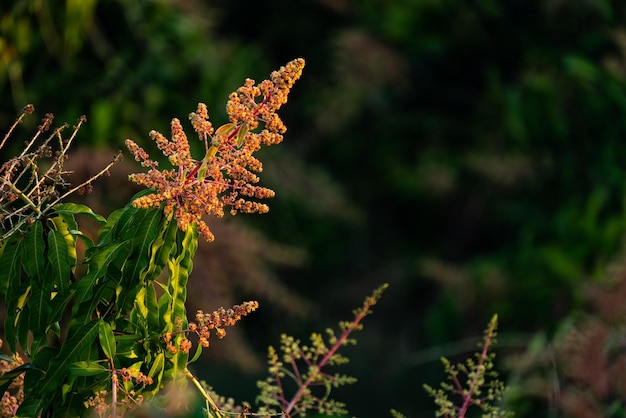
(327, 357)
(467, 399)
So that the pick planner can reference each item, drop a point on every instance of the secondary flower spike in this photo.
(226, 176)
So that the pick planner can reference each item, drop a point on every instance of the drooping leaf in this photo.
(71, 405)
(161, 249)
(79, 340)
(119, 221)
(107, 339)
(32, 406)
(23, 328)
(241, 135)
(34, 251)
(143, 237)
(38, 342)
(179, 269)
(119, 224)
(59, 261)
(59, 303)
(87, 368)
(10, 267)
(157, 369)
(39, 304)
(66, 225)
(7, 377)
(78, 209)
(225, 129)
(105, 234)
(15, 315)
(128, 345)
(196, 356)
(98, 265)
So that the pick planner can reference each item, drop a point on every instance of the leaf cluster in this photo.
(90, 325)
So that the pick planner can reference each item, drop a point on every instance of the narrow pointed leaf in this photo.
(179, 269)
(72, 350)
(66, 225)
(10, 267)
(59, 261)
(39, 304)
(241, 135)
(107, 339)
(196, 356)
(87, 368)
(225, 129)
(78, 209)
(15, 315)
(98, 265)
(7, 377)
(34, 251)
(144, 235)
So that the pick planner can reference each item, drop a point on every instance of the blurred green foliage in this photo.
(478, 148)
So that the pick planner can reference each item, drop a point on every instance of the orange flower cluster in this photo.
(226, 175)
(219, 319)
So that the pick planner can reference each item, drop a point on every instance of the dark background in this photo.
(469, 153)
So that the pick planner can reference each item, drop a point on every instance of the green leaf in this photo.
(66, 225)
(37, 343)
(241, 135)
(124, 224)
(79, 341)
(107, 339)
(39, 304)
(58, 304)
(162, 248)
(128, 345)
(59, 261)
(156, 370)
(71, 405)
(16, 315)
(225, 129)
(7, 377)
(78, 209)
(98, 265)
(23, 328)
(179, 269)
(10, 267)
(119, 222)
(105, 235)
(41, 359)
(32, 406)
(87, 368)
(34, 249)
(143, 237)
(147, 308)
(196, 356)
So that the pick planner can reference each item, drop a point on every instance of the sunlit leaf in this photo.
(98, 265)
(107, 339)
(87, 368)
(59, 261)
(66, 226)
(241, 135)
(78, 209)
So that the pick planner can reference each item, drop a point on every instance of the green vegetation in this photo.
(472, 155)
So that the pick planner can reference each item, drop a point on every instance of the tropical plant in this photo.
(108, 328)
